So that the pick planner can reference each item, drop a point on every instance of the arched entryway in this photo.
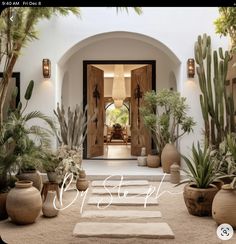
(114, 46)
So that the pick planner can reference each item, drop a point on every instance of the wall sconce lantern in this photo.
(46, 68)
(191, 68)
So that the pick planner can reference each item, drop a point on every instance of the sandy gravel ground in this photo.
(188, 229)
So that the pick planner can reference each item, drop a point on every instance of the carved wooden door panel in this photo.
(95, 98)
(141, 81)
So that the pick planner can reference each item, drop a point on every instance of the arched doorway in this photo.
(114, 46)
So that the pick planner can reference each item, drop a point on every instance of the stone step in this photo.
(119, 214)
(112, 183)
(123, 230)
(121, 191)
(122, 201)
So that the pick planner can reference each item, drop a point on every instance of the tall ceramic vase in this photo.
(24, 203)
(49, 210)
(169, 156)
(224, 206)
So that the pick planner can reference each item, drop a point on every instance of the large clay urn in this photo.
(224, 206)
(32, 175)
(169, 156)
(24, 203)
(198, 200)
(3, 211)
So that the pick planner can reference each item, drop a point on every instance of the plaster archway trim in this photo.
(119, 34)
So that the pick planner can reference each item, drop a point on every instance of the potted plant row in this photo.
(19, 153)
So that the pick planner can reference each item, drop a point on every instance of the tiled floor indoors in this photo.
(117, 152)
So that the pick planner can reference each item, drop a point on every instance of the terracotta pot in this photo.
(218, 184)
(33, 176)
(82, 184)
(169, 156)
(52, 176)
(224, 206)
(3, 210)
(24, 203)
(199, 201)
(153, 161)
(82, 174)
(48, 207)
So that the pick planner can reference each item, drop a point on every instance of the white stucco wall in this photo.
(118, 49)
(174, 28)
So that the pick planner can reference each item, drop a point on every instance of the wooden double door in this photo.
(141, 81)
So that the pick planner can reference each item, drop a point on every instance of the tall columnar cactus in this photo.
(217, 106)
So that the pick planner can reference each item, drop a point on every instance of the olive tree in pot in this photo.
(165, 115)
(200, 191)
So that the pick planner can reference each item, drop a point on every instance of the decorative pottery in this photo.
(174, 173)
(199, 201)
(52, 176)
(143, 151)
(3, 211)
(24, 203)
(224, 206)
(82, 183)
(33, 176)
(218, 184)
(153, 161)
(142, 161)
(82, 174)
(48, 207)
(169, 156)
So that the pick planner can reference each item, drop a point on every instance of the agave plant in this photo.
(201, 169)
(73, 126)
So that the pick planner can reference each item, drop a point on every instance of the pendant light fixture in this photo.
(118, 88)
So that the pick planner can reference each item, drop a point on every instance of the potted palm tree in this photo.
(200, 191)
(29, 156)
